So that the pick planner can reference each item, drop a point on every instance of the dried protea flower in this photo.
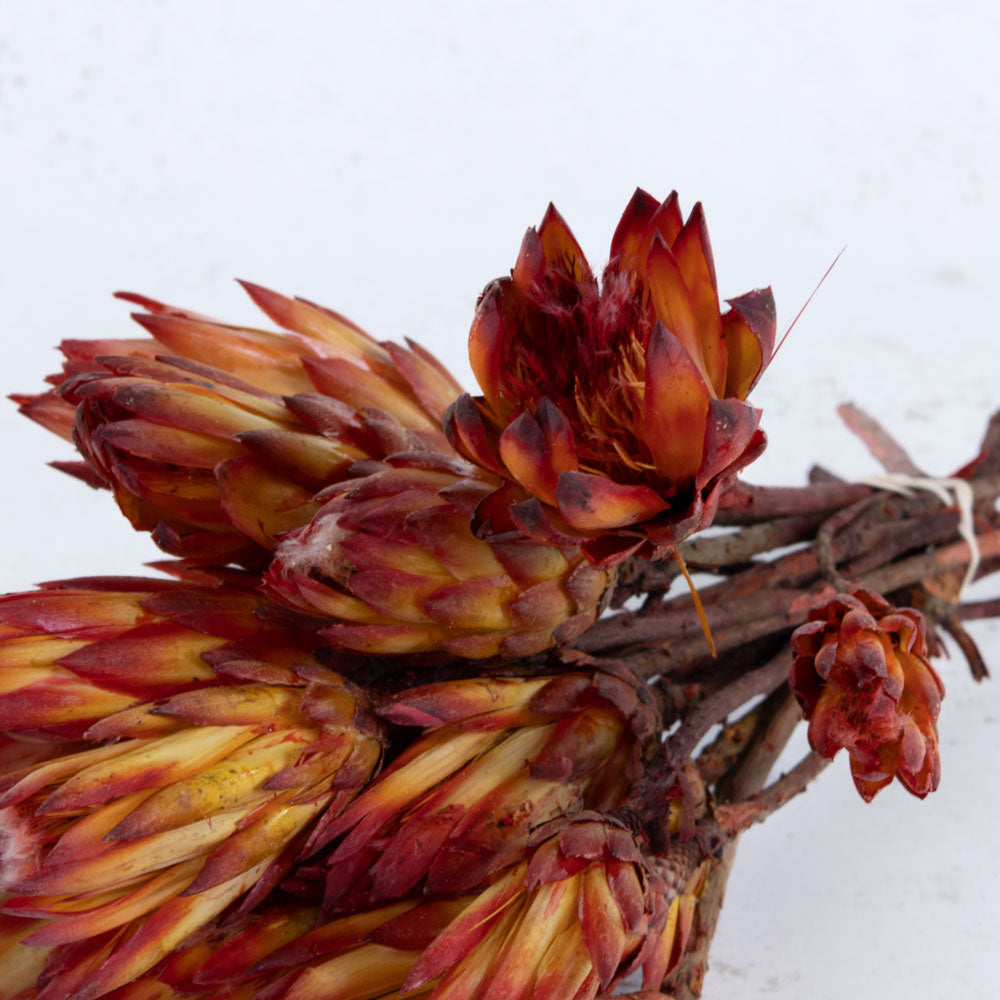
(392, 556)
(864, 683)
(75, 651)
(620, 408)
(134, 844)
(215, 437)
(585, 910)
(499, 757)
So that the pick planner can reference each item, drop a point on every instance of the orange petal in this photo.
(317, 323)
(595, 503)
(469, 435)
(467, 930)
(309, 459)
(371, 970)
(160, 443)
(662, 219)
(749, 330)
(48, 409)
(430, 381)
(383, 640)
(472, 604)
(457, 701)
(694, 258)
(148, 896)
(259, 839)
(537, 448)
(565, 969)
(352, 384)
(667, 220)
(634, 229)
(487, 341)
(268, 360)
(192, 407)
(163, 932)
(673, 304)
(147, 764)
(676, 407)
(550, 909)
(561, 249)
(601, 924)
(730, 428)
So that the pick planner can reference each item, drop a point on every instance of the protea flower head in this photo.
(620, 407)
(584, 911)
(498, 758)
(75, 651)
(864, 683)
(128, 847)
(393, 557)
(215, 437)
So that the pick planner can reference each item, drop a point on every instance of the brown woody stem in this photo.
(746, 778)
(716, 707)
(746, 504)
(736, 817)
(769, 598)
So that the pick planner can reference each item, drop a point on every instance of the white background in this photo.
(387, 162)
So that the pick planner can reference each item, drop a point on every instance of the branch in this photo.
(736, 817)
(686, 982)
(767, 599)
(716, 707)
(883, 446)
(746, 504)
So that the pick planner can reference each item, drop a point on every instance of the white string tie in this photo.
(956, 492)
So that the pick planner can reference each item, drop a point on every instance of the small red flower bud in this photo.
(864, 683)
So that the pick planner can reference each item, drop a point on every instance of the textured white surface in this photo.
(386, 162)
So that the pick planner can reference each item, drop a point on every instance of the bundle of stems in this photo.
(774, 554)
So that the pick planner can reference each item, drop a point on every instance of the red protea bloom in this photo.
(586, 910)
(130, 846)
(499, 757)
(393, 557)
(864, 683)
(619, 407)
(75, 651)
(215, 437)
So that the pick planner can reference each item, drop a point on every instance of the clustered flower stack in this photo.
(379, 732)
